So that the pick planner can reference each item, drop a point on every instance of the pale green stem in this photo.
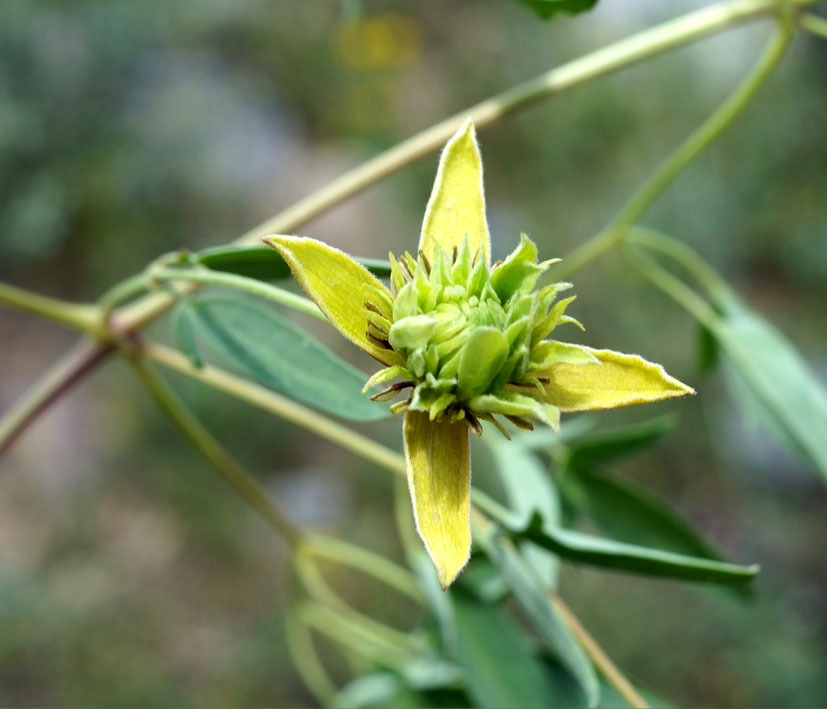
(717, 288)
(814, 24)
(613, 235)
(59, 378)
(237, 477)
(365, 561)
(248, 285)
(675, 289)
(78, 316)
(307, 662)
(599, 657)
(354, 635)
(280, 406)
(649, 43)
(123, 291)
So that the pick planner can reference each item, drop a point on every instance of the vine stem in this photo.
(724, 116)
(814, 24)
(192, 429)
(62, 376)
(624, 53)
(78, 316)
(599, 657)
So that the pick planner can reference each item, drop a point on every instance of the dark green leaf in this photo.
(264, 263)
(629, 513)
(708, 350)
(500, 664)
(529, 489)
(609, 443)
(609, 554)
(532, 597)
(183, 330)
(548, 8)
(772, 384)
(266, 347)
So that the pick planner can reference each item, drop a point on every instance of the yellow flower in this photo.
(467, 342)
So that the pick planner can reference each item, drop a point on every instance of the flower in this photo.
(467, 342)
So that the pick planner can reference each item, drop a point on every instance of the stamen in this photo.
(473, 423)
(519, 422)
(391, 391)
(384, 344)
(426, 264)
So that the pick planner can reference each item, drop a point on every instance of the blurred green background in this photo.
(129, 574)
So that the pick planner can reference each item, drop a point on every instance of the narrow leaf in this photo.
(606, 553)
(501, 667)
(630, 513)
(772, 384)
(529, 489)
(264, 263)
(619, 380)
(456, 209)
(610, 443)
(549, 8)
(266, 347)
(439, 479)
(532, 597)
(338, 285)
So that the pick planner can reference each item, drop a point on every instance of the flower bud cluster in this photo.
(472, 338)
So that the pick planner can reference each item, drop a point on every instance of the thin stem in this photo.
(78, 316)
(306, 661)
(814, 24)
(120, 292)
(365, 561)
(674, 288)
(248, 285)
(701, 271)
(56, 381)
(599, 657)
(627, 52)
(724, 116)
(279, 405)
(244, 483)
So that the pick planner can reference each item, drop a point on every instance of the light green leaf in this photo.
(630, 513)
(439, 479)
(532, 597)
(606, 553)
(482, 358)
(339, 286)
(619, 380)
(264, 346)
(501, 668)
(772, 384)
(528, 489)
(456, 209)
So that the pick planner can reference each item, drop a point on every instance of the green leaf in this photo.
(266, 264)
(271, 350)
(501, 667)
(629, 513)
(529, 489)
(772, 385)
(183, 330)
(609, 554)
(548, 8)
(708, 350)
(610, 443)
(532, 597)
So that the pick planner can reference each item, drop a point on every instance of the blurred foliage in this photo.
(129, 575)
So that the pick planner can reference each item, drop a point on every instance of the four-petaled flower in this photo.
(467, 342)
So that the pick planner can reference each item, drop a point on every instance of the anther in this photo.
(379, 342)
(391, 391)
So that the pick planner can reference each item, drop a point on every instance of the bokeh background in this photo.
(129, 574)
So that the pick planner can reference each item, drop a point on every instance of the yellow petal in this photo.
(619, 380)
(457, 205)
(439, 479)
(338, 285)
